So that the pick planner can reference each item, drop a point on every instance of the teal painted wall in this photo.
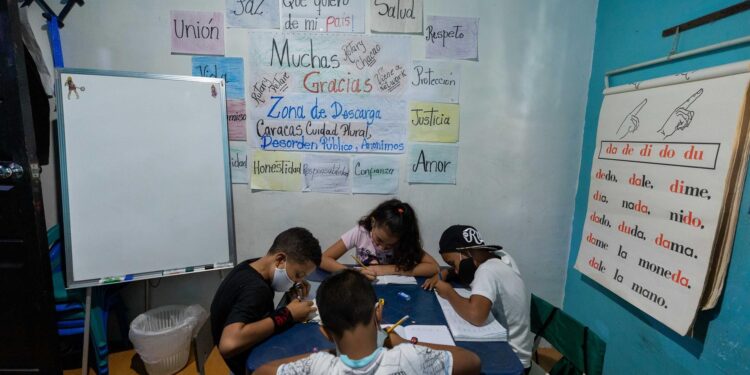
(629, 32)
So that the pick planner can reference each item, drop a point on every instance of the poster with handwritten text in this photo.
(253, 14)
(396, 16)
(657, 191)
(276, 171)
(344, 97)
(198, 33)
(375, 174)
(431, 163)
(326, 173)
(434, 81)
(451, 38)
(230, 69)
(323, 16)
(433, 122)
(238, 162)
(236, 120)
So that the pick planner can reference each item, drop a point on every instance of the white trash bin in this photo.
(161, 336)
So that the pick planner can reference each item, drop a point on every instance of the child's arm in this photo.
(426, 267)
(237, 337)
(475, 309)
(464, 361)
(329, 260)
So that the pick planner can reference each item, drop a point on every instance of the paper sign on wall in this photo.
(452, 38)
(238, 162)
(347, 97)
(396, 16)
(229, 68)
(276, 171)
(433, 122)
(656, 197)
(236, 120)
(375, 174)
(326, 173)
(199, 33)
(253, 14)
(432, 163)
(434, 81)
(323, 16)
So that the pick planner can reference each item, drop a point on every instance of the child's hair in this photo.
(345, 300)
(298, 244)
(401, 220)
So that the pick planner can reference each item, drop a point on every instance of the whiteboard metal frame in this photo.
(70, 283)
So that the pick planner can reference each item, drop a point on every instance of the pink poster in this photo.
(236, 120)
(197, 32)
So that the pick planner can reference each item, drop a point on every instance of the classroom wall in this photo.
(522, 106)
(629, 33)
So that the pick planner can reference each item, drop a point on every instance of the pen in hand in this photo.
(400, 321)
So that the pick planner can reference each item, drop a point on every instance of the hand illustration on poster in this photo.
(681, 117)
(631, 120)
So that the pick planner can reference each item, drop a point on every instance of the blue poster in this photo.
(229, 68)
(375, 174)
(432, 163)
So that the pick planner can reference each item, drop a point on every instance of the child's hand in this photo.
(301, 290)
(430, 283)
(369, 273)
(300, 309)
(441, 287)
(393, 340)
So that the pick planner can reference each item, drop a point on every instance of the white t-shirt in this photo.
(500, 281)
(403, 359)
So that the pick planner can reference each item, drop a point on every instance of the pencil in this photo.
(400, 321)
(359, 262)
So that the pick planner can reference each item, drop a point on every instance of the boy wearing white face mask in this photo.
(242, 312)
(351, 318)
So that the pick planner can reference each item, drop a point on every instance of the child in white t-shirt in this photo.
(351, 318)
(496, 286)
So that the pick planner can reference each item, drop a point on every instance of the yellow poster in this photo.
(276, 170)
(433, 122)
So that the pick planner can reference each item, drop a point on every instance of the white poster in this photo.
(329, 93)
(253, 14)
(452, 38)
(657, 190)
(323, 16)
(396, 16)
(434, 81)
(238, 162)
(326, 173)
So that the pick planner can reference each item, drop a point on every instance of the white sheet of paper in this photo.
(462, 330)
(396, 279)
(437, 334)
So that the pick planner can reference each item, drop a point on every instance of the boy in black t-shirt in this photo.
(242, 312)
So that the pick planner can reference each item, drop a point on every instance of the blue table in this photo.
(423, 308)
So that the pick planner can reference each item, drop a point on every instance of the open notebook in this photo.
(429, 334)
(462, 330)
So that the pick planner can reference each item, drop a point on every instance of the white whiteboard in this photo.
(144, 175)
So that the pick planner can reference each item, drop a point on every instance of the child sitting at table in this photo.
(351, 317)
(496, 286)
(242, 312)
(387, 242)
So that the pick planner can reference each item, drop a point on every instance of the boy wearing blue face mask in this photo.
(242, 312)
(350, 317)
(496, 286)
